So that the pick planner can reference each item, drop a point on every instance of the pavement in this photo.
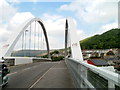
(57, 76)
(40, 75)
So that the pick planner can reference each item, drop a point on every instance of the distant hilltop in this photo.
(28, 53)
(107, 40)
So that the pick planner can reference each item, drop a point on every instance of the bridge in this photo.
(73, 72)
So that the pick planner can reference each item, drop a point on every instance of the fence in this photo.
(89, 76)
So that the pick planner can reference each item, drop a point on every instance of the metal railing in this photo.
(89, 76)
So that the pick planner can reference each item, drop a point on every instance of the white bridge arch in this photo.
(71, 30)
(7, 49)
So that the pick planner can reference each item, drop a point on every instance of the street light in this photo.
(25, 39)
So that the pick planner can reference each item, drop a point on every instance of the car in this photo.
(3, 79)
(2, 61)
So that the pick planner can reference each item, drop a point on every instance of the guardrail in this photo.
(89, 76)
(11, 61)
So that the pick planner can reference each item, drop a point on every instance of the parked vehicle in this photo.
(3, 74)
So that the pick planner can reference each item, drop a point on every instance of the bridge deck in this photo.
(57, 76)
(40, 75)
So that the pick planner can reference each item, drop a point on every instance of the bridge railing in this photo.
(89, 76)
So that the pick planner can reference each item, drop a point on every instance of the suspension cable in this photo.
(38, 36)
(35, 35)
(22, 42)
(43, 42)
(25, 39)
(41, 38)
(30, 39)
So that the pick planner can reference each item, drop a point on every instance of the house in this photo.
(97, 62)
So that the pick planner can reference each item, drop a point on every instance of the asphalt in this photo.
(57, 76)
(40, 75)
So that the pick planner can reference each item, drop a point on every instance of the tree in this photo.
(56, 52)
(110, 53)
(107, 40)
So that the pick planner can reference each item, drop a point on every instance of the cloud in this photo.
(81, 35)
(18, 19)
(55, 29)
(10, 28)
(4, 35)
(35, 1)
(10, 19)
(95, 11)
(7, 11)
(55, 25)
(14, 1)
(107, 27)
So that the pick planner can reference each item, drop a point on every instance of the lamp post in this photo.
(25, 40)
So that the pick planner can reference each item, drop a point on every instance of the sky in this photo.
(91, 17)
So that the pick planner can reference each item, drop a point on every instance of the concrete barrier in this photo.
(11, 61)
(22, 60)
(41, 60)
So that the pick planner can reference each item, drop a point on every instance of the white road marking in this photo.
(12, 73)
(35, 66)
(41, 77)
(26, 69)
(22, 70)
(58, 68)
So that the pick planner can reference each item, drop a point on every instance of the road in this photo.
(23, 76)
(36, 75)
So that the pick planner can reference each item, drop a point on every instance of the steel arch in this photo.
(13, 40)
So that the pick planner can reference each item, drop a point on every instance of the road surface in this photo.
(40, 75)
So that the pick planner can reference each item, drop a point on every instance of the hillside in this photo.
(109, 39)
(31, 53)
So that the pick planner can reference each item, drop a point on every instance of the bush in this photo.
(45, 56)
(55, 58)
(110, 53)
(56, 52)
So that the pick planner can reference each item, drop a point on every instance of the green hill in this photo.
(27, 53)
(107, 40)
